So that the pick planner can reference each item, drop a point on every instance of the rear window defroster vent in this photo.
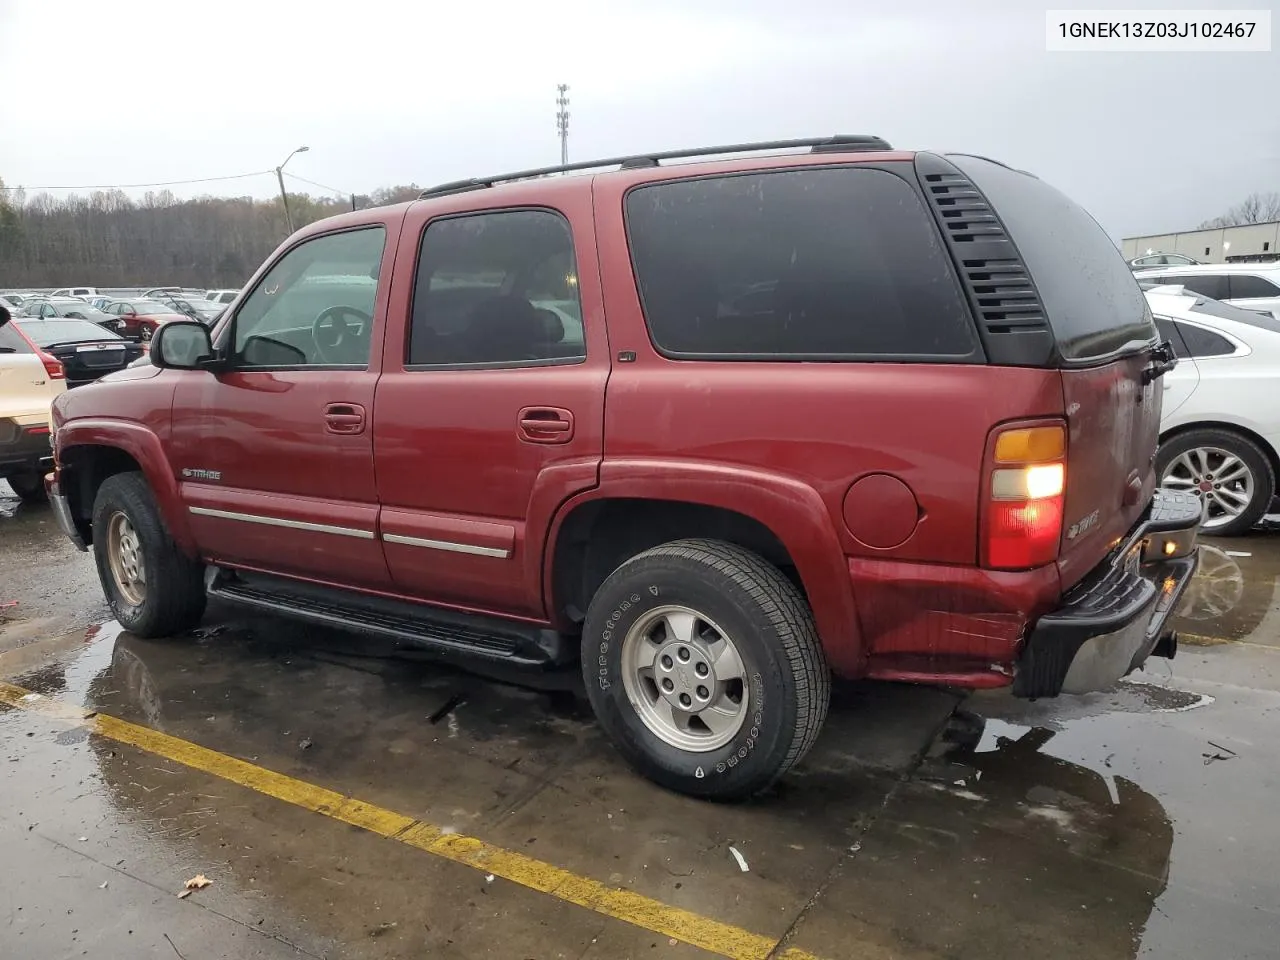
(994, 275)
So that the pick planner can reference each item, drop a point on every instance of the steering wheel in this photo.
(331, 331)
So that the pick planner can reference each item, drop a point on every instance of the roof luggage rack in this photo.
(841, 143)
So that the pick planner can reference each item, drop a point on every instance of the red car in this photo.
(716, 430)
(139, 319)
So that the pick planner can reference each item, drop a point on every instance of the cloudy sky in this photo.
(384, 92)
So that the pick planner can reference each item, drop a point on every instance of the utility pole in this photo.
(562, 120)
(284, 196)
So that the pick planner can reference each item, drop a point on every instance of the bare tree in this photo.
(1255, 208)
(106, 239)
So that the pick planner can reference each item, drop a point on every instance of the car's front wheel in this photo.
(1228, 472)
(704, 668)
(154, 589)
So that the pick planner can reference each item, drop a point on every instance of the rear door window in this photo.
(828, 264)
(1243, 286)
(1094, 304)
(498, 288)
(1212, 285)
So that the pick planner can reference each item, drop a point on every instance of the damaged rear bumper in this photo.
(1110, 622)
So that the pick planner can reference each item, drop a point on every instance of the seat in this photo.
(505, 329)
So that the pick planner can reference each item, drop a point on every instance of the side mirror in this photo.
(181, 345)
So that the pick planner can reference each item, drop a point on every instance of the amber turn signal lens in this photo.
(1031, 445)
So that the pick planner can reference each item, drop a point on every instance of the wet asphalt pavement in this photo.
(1135, 823)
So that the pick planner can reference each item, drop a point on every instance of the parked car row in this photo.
(1253, 286)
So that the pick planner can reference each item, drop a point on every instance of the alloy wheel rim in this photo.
(685, 678)
(1222, 481)
(124, 556)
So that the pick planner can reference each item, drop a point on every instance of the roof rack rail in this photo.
(841, 143)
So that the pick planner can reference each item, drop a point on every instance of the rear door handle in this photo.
(344, 418)
(545, 425)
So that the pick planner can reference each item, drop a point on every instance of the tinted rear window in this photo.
(51, 331)
(829, 264)
(1093, 302)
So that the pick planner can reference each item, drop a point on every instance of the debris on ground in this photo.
(198, 882)
(1237, 553)
(742, 861)
(207, 633)
(488, 878)
(1223, 753)
(304, 743)
(103, 885)
(8, 604)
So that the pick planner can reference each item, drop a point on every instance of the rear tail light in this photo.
(53, 366)
(1024, 511)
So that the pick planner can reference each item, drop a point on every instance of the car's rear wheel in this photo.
(1228, 472)
(154, 589)
(704, 668)
(29, 487)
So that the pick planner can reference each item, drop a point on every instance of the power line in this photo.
(136, 186)
(294, 176)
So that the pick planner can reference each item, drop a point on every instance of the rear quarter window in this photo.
(12, 342)
(837, 263)
(1204, 343)
(1092, 300)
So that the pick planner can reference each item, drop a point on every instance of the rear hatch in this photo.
(86, 350)
(1103, 337)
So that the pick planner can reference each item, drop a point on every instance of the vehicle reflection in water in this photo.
(996, 849)
(1216, 588)
(1001, 849)
(1234, 597)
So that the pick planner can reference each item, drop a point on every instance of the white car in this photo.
(75, 292)
(1220, 432)
(221, 296)
(29, 381)
(1254, 286)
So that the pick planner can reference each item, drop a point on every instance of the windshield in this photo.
(84, 311)
(150, 308)
(50, 331)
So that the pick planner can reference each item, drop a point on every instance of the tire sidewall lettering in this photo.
(606, 640)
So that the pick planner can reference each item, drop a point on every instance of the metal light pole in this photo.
(284, 196)
(562, 120)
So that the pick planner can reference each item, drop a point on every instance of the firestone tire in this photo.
(729, 594)
(154, 589)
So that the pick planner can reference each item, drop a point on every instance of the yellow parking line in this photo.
(1202, 640)
(641, 911)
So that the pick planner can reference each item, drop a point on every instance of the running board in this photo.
(418, 624)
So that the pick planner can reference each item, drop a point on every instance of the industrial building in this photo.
(1249, 243)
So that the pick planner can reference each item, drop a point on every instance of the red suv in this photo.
(717, 429)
